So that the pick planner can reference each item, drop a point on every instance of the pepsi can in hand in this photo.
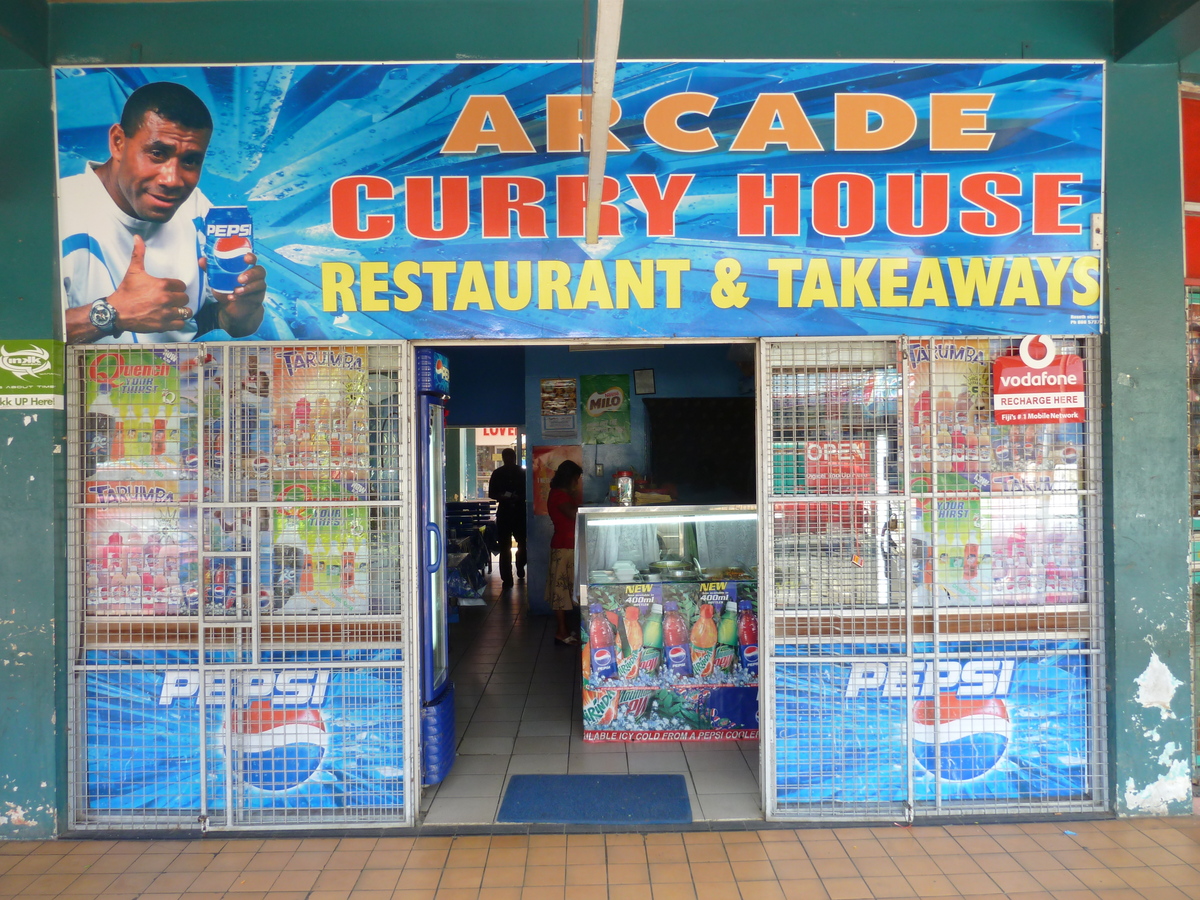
(228, 237)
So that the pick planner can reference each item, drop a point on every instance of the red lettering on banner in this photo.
(1049, 200)
(783, 201)
(572, 206)
(660, 205)
(902, 204)
(853, 218)
(344, 214)
(419, 204)
(500, 202)
(994, 216)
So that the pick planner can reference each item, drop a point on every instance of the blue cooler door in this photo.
(434, 652)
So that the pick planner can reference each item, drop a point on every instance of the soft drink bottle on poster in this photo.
(652, 641)
(630, 665)
(747, 628)
(944, 408)
(117, 445)
(704, 641)
(962, 408)
(920, 409)
(586, 654)
(601, 643)
(676, 652)
(726, 651)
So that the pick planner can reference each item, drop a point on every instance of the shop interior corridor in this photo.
(519, 712)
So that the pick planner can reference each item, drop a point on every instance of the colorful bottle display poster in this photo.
(985, 720)
(1007, 525)
(671, 661)
(141, 559)
(319, 560)
(316, 444)
(139, 425)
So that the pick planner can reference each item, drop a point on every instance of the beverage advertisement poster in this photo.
(319, 560)
(312, 424)
(670, 661)
(741, 199)
(606, 411)
(139, 424)
(294, 736)
(141, 559)
(1010, 722)
(1006, 527)
(545, 461)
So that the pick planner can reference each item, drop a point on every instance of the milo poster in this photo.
(606, 409)
(671, 661)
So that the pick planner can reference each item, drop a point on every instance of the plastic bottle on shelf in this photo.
(747, 629)
(704, 641)
(601, 643)
(652, 641)
(676, 652)
(631, 666)
(727, 641)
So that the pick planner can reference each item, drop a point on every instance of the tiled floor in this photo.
(519, 712)
(1147, 859)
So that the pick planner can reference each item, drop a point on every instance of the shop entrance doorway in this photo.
(519, 702)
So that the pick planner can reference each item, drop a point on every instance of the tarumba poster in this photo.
(741, 198)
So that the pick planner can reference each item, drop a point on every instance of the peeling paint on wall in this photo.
(1157, 686)
(1175, 785)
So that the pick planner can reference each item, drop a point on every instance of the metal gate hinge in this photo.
(1097, 231)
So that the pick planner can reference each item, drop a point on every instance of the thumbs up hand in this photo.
(145, 303)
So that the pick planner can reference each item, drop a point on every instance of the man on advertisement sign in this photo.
(133, 232)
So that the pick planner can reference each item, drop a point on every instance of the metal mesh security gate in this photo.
(240, 623)
(931, 603)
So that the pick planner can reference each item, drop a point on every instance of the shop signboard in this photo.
(31, 375)
(983, 721)
(741, 199)
(1038, 387)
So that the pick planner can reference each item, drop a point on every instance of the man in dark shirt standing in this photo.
(507, 488)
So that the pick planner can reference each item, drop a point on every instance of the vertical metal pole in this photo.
(604, 71)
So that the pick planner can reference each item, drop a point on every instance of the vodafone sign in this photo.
(1038, 386)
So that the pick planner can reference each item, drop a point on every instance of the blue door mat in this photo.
(596, 800)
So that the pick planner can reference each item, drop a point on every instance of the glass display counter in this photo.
(669, 602)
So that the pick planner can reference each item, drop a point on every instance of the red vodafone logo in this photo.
(1038, 386)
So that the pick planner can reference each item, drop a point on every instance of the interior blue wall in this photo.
(694, 370)
(486, 386)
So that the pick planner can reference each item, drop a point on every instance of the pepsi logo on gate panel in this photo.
(278, 748)
(962, 739)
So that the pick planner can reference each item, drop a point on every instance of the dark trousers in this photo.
(508, 530)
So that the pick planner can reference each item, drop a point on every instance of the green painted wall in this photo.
(1144, 498)
(32, 470)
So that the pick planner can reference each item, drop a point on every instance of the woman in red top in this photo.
(562, 504)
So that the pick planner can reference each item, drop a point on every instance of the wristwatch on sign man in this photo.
(104, 317)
